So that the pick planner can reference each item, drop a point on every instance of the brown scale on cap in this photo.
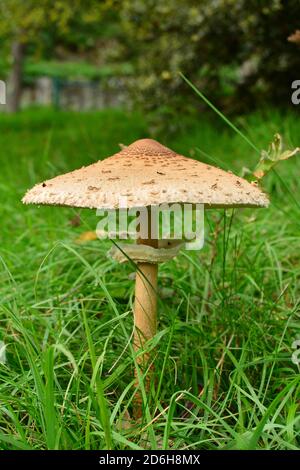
(156, 175)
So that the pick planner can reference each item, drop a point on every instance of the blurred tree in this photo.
(235, 50)
(37, 26)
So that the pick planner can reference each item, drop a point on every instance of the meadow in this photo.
(228, 314)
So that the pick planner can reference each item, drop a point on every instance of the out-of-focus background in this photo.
(81, 78)
(89, 54)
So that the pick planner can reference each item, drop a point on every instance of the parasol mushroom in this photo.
(147, 174)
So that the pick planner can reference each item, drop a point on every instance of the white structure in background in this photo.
(44, 91)
(75, 95)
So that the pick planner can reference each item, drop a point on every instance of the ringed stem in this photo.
(145, 316)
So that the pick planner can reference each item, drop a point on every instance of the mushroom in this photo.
(146, 174)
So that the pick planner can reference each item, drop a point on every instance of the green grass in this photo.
(227, 315)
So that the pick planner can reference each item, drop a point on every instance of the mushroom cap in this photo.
(143, 174)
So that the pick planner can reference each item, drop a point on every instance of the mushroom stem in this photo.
(145, 317)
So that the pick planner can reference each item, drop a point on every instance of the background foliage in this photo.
(230, 48)
(236, 50)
